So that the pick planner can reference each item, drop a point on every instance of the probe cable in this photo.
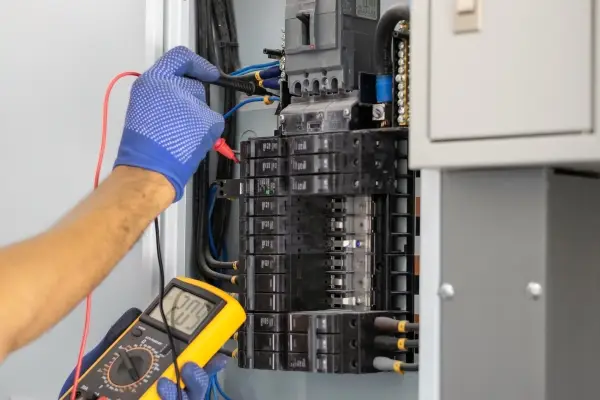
(88, 302)
(161, 306)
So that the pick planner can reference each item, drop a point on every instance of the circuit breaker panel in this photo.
(328, 206)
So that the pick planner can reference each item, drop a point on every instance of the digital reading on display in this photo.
(184, 311)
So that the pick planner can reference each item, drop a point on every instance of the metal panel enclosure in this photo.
(523, 269)
(527, 71)
(516, 88)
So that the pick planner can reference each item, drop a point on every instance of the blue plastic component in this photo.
(384, 88)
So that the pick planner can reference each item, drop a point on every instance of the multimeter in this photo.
(202, 319)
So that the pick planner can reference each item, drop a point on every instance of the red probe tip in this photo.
(223, 149)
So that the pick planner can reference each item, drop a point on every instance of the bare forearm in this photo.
(43, 278)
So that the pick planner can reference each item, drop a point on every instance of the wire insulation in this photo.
(88, 300)
(161, 270)
(248, 101)
(254, 68)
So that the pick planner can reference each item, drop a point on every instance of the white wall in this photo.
(56, 57)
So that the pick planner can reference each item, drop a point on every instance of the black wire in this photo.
(225, 44)
(162, 309)
(216, 38)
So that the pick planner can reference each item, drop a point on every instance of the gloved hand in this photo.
(196, 380)
(111, 336)
(168, 126)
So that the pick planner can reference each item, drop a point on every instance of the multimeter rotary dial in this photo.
(130, 367)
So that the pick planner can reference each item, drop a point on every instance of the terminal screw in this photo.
(346, 112)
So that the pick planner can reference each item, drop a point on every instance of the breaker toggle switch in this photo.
(467, 16)
(465, 6)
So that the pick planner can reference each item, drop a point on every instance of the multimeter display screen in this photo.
(184, 311)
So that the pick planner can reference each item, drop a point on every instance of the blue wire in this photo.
(247, 101)
(210, 390)
(253, 68)
(220, 390)
(211, 206)
(214, 394)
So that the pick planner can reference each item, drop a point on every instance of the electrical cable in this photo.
(220, 389)
(395, 344)
(158, 251)
(271, 72)
(388, 324)
(253, 68)
(386, 364)
(201, 226)
(211, 251)
(224, 42)
(163, 315)
(271, 83)
(88, 300)
(383, 37)
(266, 99)
(212, 193)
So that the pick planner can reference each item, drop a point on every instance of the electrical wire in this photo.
(254, 68)
(163, 315)
(224, 48)
(249, 100)
(201, 226)
(158, 252)
(214, 389)
(394, 343)
(88, 300)
(388, 324)
(212, 194)
(220, 389)
(271, 83)
(215, 254)
(386, 364)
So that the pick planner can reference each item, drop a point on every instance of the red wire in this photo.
(88, 300)
(223, 150)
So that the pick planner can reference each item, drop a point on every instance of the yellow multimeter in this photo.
(202, 319)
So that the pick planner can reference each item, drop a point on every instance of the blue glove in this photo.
(111, 336)
(196, 380)
(168, 126)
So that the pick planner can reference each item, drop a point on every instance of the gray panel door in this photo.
(526, 71)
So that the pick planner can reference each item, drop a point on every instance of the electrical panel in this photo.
(329, 214)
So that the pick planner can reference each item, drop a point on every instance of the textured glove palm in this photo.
(169, 128)
(196, 380)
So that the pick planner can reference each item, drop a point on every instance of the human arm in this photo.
(43, 278)
(168, 131)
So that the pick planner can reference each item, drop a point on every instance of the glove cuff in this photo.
(135, 151)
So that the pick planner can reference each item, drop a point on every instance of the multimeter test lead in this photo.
(239, 85)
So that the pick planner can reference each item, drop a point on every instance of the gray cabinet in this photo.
(503, 82)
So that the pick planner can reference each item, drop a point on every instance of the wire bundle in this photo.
(392, 343)
(215, 389)
(216, 41)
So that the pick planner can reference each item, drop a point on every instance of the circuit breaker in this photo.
(328, 205)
